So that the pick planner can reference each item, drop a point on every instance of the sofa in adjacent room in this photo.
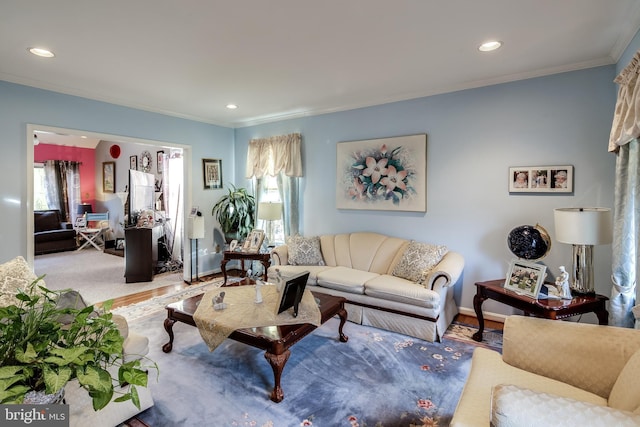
(390, 283)
(554, 373)
(52, 233)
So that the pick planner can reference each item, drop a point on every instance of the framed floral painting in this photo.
(383, 174)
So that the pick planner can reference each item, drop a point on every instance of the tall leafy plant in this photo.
(235, 211)
(43, 346)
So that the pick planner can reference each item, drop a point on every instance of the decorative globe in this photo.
(529, 242)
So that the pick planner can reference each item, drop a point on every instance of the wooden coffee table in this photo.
(275, 340)
(548, 308)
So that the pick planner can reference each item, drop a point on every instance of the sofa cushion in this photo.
(625, 393)
(418, 260)
(345, 279)
(393, 288)
(513, 406)
(304, 251)
(287, 271)
(46, 220)
(15, 276)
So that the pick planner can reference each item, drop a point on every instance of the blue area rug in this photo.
(377, 378)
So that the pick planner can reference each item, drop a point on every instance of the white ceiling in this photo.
(281, 59)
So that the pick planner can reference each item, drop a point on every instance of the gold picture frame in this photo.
(108, 177)
(253, 242)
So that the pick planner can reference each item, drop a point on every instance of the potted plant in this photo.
(235, 212)
(43, 346)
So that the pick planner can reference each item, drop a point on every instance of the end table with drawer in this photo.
(554, 309)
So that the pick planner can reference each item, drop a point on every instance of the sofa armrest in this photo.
(446, 272)
(559, 349)
(513, 406)
(280, 255)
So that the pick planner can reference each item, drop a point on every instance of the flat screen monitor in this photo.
(291, 293)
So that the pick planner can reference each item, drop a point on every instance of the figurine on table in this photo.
(562, 284)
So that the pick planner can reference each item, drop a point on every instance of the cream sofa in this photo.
(16, 275)
(554, 373)
(390, 283)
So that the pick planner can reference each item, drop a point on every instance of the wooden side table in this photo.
(263, 257)
(548, 308)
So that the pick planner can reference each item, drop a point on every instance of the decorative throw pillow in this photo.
(418, 260)
(304, 251)
(15, 275)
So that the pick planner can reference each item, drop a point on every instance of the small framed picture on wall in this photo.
(133, 162)
(109, 177)
(212, 173)
(159, 160)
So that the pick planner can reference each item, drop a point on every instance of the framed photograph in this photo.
(109, 177)
(212, 173)
(133, 162)
(541, 179)
(291, 293)
(254, 241)
(387, 174)
(159, 160)
(119, 243)
(525, 278)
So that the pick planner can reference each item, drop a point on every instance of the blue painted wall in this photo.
(21, 105)
(473, 137)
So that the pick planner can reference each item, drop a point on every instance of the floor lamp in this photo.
(269, 211)
(583, 228)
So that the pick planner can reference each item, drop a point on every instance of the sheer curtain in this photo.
(62, 181)
(623, 141)
(278, 156)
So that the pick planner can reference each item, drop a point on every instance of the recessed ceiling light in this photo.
(489, 46)
(41, 52)
(232, 106)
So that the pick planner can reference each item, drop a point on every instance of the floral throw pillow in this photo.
(304, 251)
(418, 260)
(15, 275)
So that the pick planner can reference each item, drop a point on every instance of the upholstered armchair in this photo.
(554, 373)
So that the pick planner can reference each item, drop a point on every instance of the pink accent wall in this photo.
(86, 156)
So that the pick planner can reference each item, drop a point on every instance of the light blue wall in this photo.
(473, 136)
(21, 105)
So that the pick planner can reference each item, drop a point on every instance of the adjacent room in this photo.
(340, 213)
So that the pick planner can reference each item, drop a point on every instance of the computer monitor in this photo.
(292, 291)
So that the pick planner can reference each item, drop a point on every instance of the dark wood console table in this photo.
(548, 308)
(264, 258)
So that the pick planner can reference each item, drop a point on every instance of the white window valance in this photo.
(626, 119)
(273, 155)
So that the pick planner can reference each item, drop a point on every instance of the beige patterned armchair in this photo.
(554, 373)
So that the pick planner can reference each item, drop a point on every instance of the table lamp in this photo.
(269, 211)
(84, 208)
(583, 228)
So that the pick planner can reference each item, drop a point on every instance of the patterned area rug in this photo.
(491, 338)
(377, 378)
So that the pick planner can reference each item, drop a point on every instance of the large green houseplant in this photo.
(235, 211)
(43, 346)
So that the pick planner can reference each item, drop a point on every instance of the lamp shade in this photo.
(269, 211)
(84, 208)
(583, 226)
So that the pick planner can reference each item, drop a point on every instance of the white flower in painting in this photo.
(394, 179)
(375, 169)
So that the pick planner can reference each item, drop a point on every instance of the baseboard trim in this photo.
(496, 317)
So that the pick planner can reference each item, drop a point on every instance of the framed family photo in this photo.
(212, 173)
(541, 179)
(525, 278)
(254, 240)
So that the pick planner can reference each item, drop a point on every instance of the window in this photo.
(271, 194)
(39, 188)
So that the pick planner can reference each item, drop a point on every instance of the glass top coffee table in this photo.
(276, 340)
